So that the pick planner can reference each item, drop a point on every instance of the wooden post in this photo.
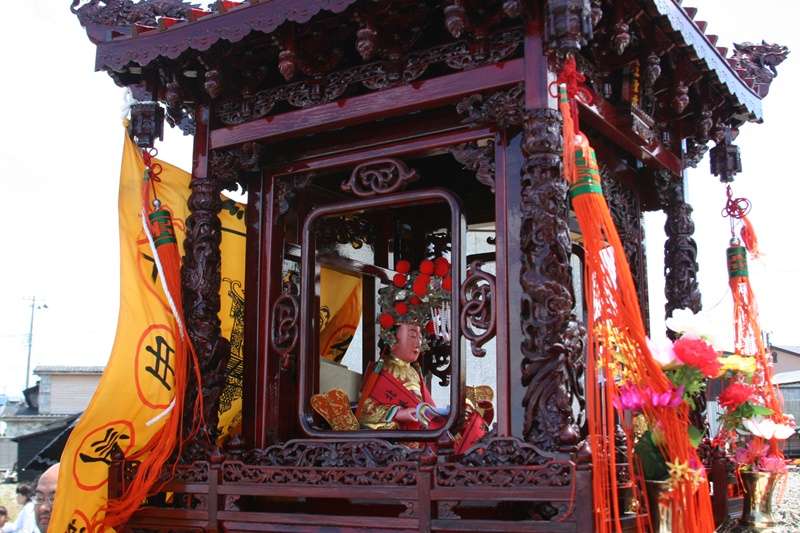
(200, 276)
(552, 341)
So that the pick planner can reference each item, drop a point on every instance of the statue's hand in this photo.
(406, 414)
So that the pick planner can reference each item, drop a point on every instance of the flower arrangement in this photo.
(688, 362)
(749, 427)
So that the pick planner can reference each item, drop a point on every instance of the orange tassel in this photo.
(748, 339)
(749, 238)
(616, 331)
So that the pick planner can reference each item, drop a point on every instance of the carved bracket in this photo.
(286, 188)
(503, 108)
(477, 157)
(230, 167)
(379, 176)
(478, 320)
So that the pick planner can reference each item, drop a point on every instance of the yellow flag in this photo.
(135, 392)
(340, 312)
(233, 246)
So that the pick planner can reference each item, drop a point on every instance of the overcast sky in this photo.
(60, 149)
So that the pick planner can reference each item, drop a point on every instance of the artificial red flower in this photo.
(401, 308)
(441, 266)
(386, 320)
(403, 266)
(426, 266)
(414, 300)
(420, 285)
(447, 283)
(735, 395)
(429, 328)
(699, 354)
(399, 280)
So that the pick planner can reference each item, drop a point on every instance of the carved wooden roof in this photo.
(193, 29)
(137, 34)
(691, 33)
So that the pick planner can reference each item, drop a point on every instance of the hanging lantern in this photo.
(726, 161)
(568, 25)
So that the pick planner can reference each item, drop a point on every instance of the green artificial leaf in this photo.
(653, 463)
(760, 410)
(695, 436)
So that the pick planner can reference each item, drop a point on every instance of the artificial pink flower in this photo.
(671, 398)
(754, 451)
(773, 464)
(629, 398)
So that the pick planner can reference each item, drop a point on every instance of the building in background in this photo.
(44, 417)
(787, 378)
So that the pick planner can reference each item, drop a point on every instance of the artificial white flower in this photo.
(766, 428)
(697, 326)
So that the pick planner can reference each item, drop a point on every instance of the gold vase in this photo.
(757, 506)
(660, 511)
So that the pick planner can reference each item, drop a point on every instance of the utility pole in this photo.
(30, 340)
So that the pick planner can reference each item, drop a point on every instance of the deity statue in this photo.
(415, 309)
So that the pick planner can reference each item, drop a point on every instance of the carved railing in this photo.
(404, 482)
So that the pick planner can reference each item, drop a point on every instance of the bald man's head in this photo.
(45, 492)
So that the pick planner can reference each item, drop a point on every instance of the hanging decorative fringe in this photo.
(168, 441)
(618, 352)
(748, 338)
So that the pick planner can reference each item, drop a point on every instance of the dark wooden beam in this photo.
(426, 144)
(605, 118)
(369, 107)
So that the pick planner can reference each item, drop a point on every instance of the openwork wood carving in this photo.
(379, 176)
(368, 453)
(286, 188)
(353, 230)
(505, 462)
(478, 319)
(477, 157)
(626, 212)
(680, 249)
(374, 76)
(285, 330)
(232, 166)
(552, 340)
(397, 474)
(503, 108)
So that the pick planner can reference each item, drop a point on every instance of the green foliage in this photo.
(653, 464)
(692, 380)
(733, 420)
(695, 436)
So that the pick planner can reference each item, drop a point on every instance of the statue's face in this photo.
(409, 342)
